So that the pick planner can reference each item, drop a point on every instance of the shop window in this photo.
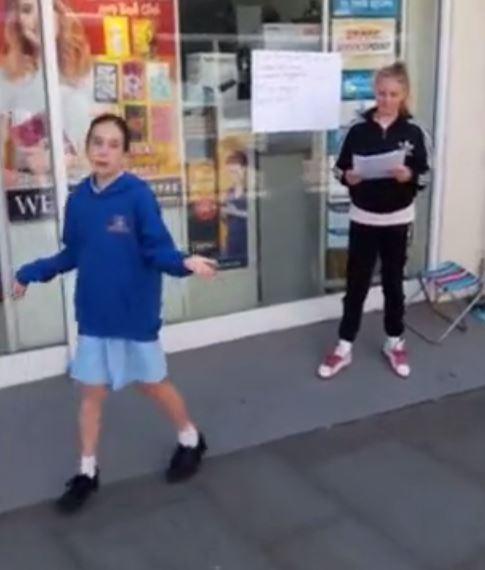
(265, 206)
(296, 215)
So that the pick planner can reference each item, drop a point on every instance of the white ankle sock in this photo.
(88, 465)
(189, 436)
(393, 342)
(344, 348)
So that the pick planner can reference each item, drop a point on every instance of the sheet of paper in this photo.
(378, 166)
(295, 91)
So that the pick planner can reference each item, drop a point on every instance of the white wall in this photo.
(463, 230)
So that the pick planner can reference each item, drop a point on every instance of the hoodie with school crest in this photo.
(118, 243)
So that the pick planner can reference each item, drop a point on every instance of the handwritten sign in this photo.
(295, 91)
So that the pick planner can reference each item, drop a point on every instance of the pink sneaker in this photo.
(398, 359)
(333, 364)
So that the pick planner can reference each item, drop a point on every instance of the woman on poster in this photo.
(23, 110)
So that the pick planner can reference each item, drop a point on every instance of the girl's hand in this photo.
(402, 174)
(18, 290)
(201, 266)
(352, 178)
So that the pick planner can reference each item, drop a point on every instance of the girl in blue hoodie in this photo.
(115, 237)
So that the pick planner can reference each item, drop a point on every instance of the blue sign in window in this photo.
(358, 85)
(367, 8)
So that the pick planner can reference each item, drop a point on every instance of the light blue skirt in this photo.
(115, 363)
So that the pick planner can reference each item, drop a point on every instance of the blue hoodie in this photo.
(118, 243)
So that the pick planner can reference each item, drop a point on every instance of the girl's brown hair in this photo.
(21, 58)
(399, 72)
(115, 120)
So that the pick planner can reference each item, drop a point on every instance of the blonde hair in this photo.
(399, 72)
(21, 58)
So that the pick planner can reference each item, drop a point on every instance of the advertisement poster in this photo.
(365, 43)
(233, 160)
(337, 238)
(338, 224)
(218, 202)
(137, 39)
(203, 216)
(24, 138)
(366, 8)
(112, 56)
(105, 83)
(358, 85)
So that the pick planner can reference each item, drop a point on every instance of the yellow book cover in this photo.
(143, 35)
(117, 36)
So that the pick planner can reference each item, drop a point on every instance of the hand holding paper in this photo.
(378, 166)
(352, 178)
(402, 174)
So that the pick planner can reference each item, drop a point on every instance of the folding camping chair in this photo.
(452, 281)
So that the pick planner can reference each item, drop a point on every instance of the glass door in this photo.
(28, 214)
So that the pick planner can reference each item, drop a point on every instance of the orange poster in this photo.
(112, 56)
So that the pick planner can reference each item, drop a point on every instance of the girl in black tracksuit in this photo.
(381, 214)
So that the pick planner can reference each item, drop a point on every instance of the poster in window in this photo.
(337, 236)
(105, 82)
(143, 33)
(159, 84)
(358, 85)
(365, 43)
(233, 160)
(116, 36)
(203, 219)
(366, 8)
(137, 120)
(26, 160)
(338, 224)
(161, 122)
(104, 53)
(133, 81)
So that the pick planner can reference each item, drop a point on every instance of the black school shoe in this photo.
(78, 490)
(185, 461)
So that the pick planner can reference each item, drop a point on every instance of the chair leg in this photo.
(461, 316)
(462, 326)
(457, 322)
(428, 301)
(422, 335)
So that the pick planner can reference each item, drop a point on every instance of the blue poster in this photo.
(358, 85)
(366, 8)
(334, 141)
(338, 224)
